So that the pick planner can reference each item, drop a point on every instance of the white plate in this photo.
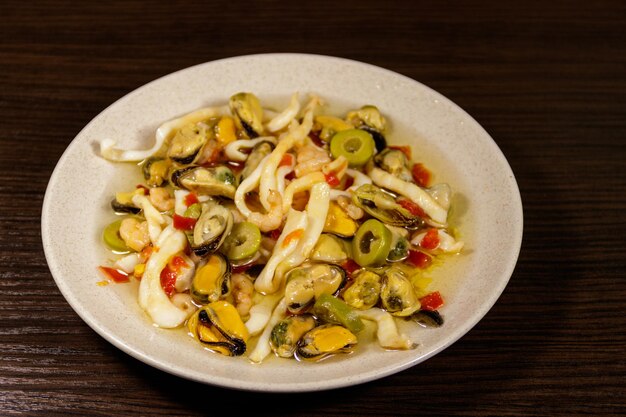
(487, 212)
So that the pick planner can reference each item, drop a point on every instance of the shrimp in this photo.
(273, 218)
(310, 159)
(135, 234)
(243, 289)
(161, 199)
(353, 211)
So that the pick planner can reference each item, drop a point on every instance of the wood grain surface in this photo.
(546, 79)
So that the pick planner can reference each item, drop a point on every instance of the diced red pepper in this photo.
(316, 139)
(275, 234)
(404, 149)
(421, 175)
(168, 280)
(184, 223)
(350, 266)
(286, 161)
(177, 263)
(430, 241)
(418, 259)
(291, 176)
(190, 199)
(432, 301)
(412, 207)
(331, 179)
(347, 182)
(114, 274)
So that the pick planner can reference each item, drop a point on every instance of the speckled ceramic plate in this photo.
(487, 213)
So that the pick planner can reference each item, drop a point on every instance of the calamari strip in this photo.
(411, 191)
(233, 150)
(261, 312)
(286, 116)
(387, 331)
(316, 210)
(152, 215)
(246, 186)
(152, 298)
(339, 167)
(263, 348)
(300, 184)
(280, 178)
(266, 282)
(163, 133)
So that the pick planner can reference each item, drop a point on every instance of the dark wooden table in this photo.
(547, 80)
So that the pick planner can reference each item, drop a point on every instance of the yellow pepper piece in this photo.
(139, 270)
(226, 131)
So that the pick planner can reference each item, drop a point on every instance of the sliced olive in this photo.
(112, 238)
(242, 242)
(371, 244)
(356, 145)
(332, 310)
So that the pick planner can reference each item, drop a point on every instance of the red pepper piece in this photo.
(432, 301)
(114, 274)
(184, 223)
(431, 240)
(332, 179)
(190, 199)
(168, 280)
(350, 266)
(419, 259)
(421, 175)
(412, 207)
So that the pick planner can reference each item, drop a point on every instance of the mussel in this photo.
(370, 119)
(219, 327)
(260, 151)
(428, 318)
(286, 334)
(188, 142)
(384, 207)
(212, 280)
(212, 227)
(155, 171)
(329, 125)
(325, 340)
(331, 249)
(397, 293)
(364, 292)
(395, 162)
(123, 203)
(306, 283)
(338, 222)
(217, 180)
(248, 113)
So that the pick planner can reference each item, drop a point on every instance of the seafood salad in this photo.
(280, 232)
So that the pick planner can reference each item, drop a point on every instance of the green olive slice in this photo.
(356, 145)
(242, 242)
(371, 244)
(112, 238)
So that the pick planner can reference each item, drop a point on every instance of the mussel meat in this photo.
(217, 180)
(306, 283)
(331, 249)
(395, 162)
(397, 293)
(219, 327)
(384, 207)
(155, 171)
(370, 119)
(213, 225)
(188, 142)
(286, 334)
(260, 151)
(324, 341)
(248, 113)
(212, 280)
(364, 292)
